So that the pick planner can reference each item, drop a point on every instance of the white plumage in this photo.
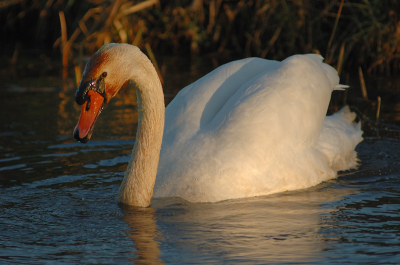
(254, 127)
(251, 127)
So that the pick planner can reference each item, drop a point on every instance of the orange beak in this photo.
(91, 109)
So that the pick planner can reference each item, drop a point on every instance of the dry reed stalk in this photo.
(333, 31)
(64, 50)
(378, 110)
(138, 7)
(362, 83)
(340, 61)
(271, 42)
(212, 16)
(65, 43)
(113, 13)
(121, 31)
(88, 15)
(78, 75)
(346, 91)
(138, 38)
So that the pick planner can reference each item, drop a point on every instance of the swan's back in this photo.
(249, 128)
(197, 104)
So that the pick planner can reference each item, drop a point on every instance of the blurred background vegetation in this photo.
(347, 33)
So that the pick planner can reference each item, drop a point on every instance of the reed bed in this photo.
(351, 34)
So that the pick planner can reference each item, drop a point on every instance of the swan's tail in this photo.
(331, 72)
(340, 87)
(339, 137)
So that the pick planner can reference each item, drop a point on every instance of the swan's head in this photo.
(104, 75)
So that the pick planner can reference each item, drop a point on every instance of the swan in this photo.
(251, 127)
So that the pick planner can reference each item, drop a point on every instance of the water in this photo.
(58, 197)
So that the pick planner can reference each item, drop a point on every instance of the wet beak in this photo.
(90, 110)
(91, 95)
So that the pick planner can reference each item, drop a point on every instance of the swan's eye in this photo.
(104, 74)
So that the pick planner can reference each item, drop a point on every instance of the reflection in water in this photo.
(143, 231)
(279, 228)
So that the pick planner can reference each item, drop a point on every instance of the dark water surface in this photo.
(58, 197)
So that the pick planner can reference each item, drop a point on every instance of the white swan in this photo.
(251, 127)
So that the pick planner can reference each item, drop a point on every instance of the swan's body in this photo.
(251, 127)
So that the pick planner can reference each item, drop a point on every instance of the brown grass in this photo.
(361, 33)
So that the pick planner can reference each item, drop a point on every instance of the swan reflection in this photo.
(144, 233)
(278, 228)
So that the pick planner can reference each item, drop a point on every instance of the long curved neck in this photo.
(137, 186)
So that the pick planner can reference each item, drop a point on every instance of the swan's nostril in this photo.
(88, 104)
(81, 95)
